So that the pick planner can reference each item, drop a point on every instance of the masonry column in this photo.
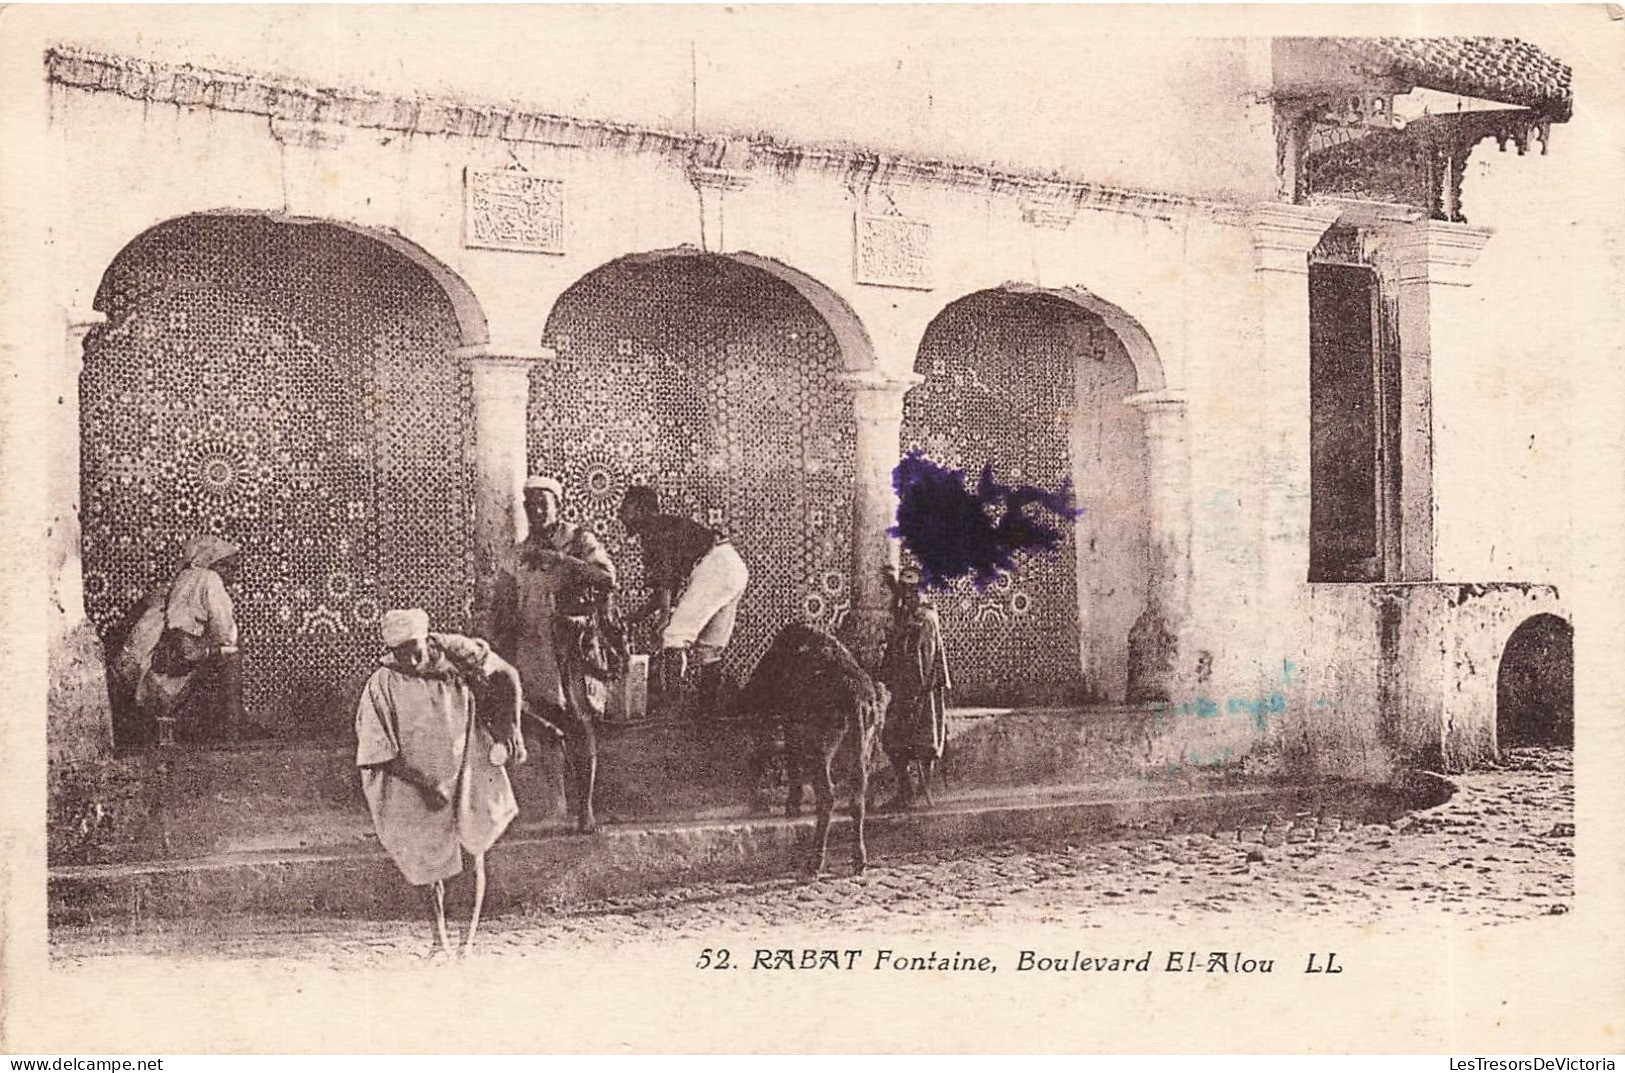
(1154, 663)
(1433, 261)
(1283, 235)
(501, 389)
(80, 720)
(877, 400)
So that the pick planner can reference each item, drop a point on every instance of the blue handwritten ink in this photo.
(953, 532)
(1258, 709)
(1213, 759)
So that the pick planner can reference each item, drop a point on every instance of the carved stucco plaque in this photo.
(513, 210)
(892, 251)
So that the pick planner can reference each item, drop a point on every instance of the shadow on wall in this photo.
(1534, 690)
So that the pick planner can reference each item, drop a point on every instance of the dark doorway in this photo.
(1534, 690)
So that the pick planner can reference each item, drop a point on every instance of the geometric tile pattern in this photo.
(715, 383)
(1000, 373)
(293, 389)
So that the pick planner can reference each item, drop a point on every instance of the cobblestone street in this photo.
(1499, 850)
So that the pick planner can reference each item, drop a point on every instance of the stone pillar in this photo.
(80, 719)
(1432, 261)
(501, 390)
(1283, 236)
(1154, 664)
(877, 400)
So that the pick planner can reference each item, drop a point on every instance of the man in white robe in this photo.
(433, 773)
(182, 663)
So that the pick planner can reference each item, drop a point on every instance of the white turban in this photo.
(207, 550)
(399, 627)
(545, 484)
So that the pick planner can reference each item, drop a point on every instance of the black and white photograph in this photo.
(712, 523)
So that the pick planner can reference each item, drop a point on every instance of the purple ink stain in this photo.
(954, 532)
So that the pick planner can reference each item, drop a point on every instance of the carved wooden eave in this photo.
(711, 161)
(1338, 135)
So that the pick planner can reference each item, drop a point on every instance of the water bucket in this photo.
(629, 694)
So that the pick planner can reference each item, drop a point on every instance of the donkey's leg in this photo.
(824, 791)
(793, 774)
(926, 767)
(862, 739)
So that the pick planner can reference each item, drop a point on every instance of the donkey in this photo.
(815, 690)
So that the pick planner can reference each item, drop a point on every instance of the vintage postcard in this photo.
(813, 528)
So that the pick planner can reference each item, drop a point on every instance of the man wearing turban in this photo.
(552, 598)
(178, 662)
(696, 580)
(915, 670)
(432, 770)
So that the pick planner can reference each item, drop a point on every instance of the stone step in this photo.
(152, 804)
(536, 868)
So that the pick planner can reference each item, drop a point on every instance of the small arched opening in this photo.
(1534, 687)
